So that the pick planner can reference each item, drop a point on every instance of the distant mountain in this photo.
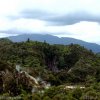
(55, 40)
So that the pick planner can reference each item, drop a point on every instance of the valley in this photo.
(33, 70)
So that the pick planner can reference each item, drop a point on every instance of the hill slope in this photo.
(56, 66)
(55, 40)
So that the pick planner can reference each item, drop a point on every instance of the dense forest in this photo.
(34, 70)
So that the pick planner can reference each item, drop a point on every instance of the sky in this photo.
(78, 19)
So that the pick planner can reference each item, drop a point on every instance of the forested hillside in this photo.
(55, 40)
(59, 66)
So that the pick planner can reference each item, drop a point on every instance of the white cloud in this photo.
(88, 31)
(62, 6)
(9, 7)
(2, 35)
(4, 24)
(28, 25)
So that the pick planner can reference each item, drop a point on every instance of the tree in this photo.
(77, 93)
(1, 84)
(28, 40)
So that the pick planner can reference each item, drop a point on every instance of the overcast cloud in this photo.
(69, 18)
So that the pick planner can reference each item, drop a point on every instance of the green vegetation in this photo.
(59, 65)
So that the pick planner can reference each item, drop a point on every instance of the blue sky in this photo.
(78, 19)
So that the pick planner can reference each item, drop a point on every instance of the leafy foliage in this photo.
(56, 64)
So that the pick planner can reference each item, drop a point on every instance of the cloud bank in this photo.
(69, 18)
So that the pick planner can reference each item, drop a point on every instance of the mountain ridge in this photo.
(55, 40)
